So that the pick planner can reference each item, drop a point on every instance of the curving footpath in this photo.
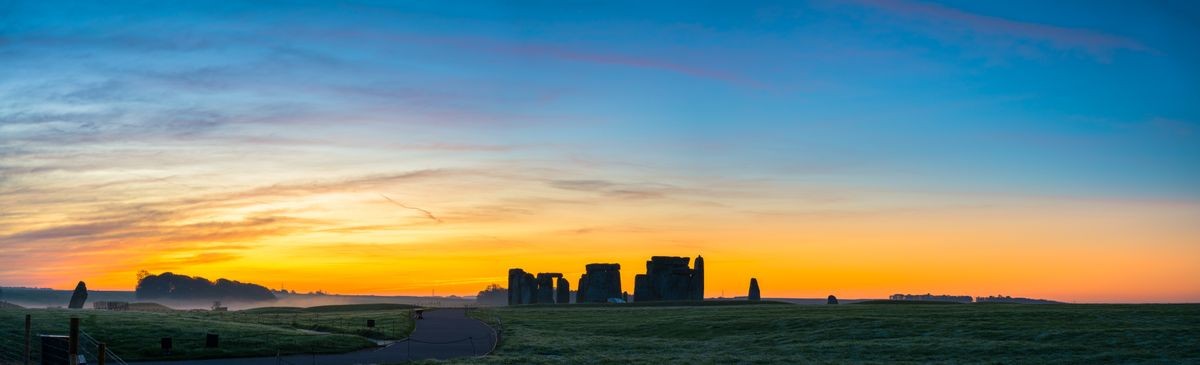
(443, 334)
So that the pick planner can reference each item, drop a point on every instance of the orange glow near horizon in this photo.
(1078, 251)
(854, 148)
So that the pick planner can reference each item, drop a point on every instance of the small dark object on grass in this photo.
(832, 300)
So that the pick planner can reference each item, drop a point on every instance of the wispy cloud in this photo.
(541, 50)
(1098, 44)
(617, 190)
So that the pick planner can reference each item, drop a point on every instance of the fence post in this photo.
(28, 321)
(73, 342)
(101, 354)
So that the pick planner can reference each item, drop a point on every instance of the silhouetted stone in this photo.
(601, 282)
(564, 291)
(754, 292)
(79, 296)
(643, 290)
(522, 287)
(581, 290)
(515, 278)
(832, 300)
(669, 278)
(528, 289)
(545, 291)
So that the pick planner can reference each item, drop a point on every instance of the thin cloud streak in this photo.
(1095, 43)
(427, 213)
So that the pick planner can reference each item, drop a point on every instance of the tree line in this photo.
(182, 287)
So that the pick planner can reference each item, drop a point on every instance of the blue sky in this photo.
(874, 104)
(1040, 97)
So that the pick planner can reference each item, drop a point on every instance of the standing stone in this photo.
(697, 289)
(602, 281)
(528, 289)
(564, 291)
(545, 283)
(514, 286)
(754, 293)
(669, 278)
(79, 296)
(545, 290)
(643, 290)
(581, 290)
(832, 300)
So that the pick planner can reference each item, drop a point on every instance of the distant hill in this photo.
(172, 286)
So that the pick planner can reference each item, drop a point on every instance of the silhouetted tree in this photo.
(182, 287)
(493, 295)
(1008, 299)
(933, 298)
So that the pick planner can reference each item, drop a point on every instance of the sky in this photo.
(857, 148)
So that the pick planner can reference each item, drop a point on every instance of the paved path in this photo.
(443, 334)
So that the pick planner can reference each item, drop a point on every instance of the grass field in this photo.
(261, 332)
(392, 321)
(853, 333)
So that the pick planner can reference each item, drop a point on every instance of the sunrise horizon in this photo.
(859, 149)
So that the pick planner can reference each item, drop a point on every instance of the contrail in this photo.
(425, 212)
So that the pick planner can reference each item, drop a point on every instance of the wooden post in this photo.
(73, 342)
(28, 322)
(101, 354)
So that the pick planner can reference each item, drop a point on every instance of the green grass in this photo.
(392, 321)
(135, 335)
(330, 308)
(861, 333)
